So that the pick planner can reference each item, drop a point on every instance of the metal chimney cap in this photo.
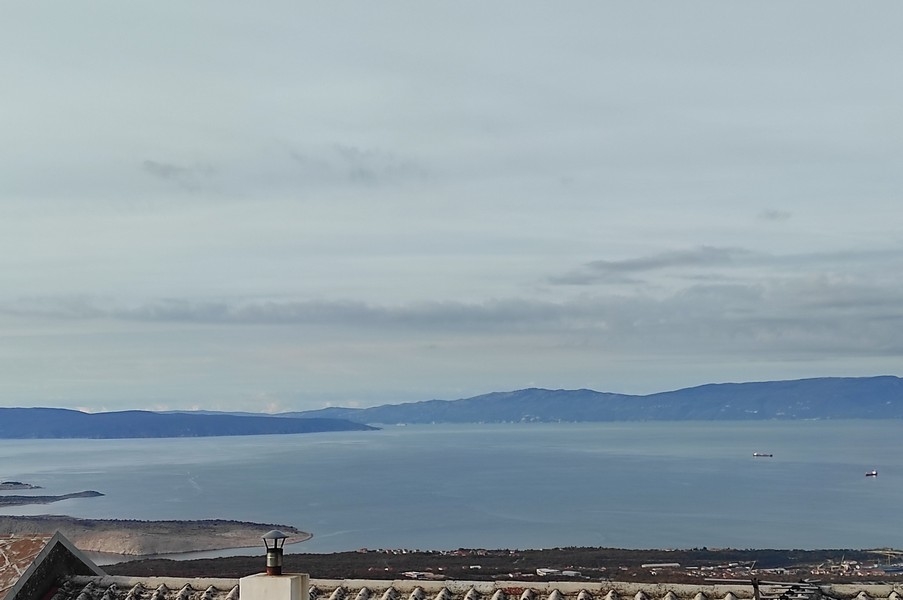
(274, 534)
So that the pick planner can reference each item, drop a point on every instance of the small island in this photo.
(17, 485)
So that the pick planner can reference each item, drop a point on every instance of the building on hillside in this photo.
(59, 571)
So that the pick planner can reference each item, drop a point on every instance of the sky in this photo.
(286, 206)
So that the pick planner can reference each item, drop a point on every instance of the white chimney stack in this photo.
(274, 584)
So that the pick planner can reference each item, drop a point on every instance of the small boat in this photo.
(762, 454)
(872, 473)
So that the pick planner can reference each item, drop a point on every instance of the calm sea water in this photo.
(632, 485)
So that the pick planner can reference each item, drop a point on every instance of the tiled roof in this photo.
(162, 588)
(17, 552)
(39, 567)
(146, 588)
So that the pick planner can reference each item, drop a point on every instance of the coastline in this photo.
(135, 538)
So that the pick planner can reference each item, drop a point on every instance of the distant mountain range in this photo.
(822, 398)
(20, 423)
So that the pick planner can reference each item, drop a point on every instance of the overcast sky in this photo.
(283, 206)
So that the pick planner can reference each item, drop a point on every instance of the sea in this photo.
(653, 485)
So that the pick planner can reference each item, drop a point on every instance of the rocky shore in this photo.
(147, 538)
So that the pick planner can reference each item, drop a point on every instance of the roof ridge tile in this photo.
(135, 592)
(338, 594)
(160, 592)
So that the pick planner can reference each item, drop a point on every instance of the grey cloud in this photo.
(608, 271)
(508, 314)
(776, 318)
(855, 262)
(421, 316)
(342, 163)
(371, 166)
(58, 307)
(190, 179)
(245, 313)
(774, 215)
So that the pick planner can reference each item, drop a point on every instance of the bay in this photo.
(629, 485)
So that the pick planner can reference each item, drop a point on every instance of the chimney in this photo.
(274, 584)
(274, 541)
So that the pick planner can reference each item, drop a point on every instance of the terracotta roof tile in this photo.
(157, 588)
(17, 552)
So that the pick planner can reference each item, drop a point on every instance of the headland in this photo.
(128, 537)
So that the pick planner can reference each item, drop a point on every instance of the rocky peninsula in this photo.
(147, 538)
(130, 537)
(23, 500)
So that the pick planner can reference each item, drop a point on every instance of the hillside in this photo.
(23, 423)
(821, 398)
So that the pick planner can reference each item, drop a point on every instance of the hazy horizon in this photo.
(220, 207)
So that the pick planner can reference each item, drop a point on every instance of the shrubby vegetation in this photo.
(592, 563)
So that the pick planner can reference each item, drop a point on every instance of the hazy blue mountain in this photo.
(61, 423)
(822, 398)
